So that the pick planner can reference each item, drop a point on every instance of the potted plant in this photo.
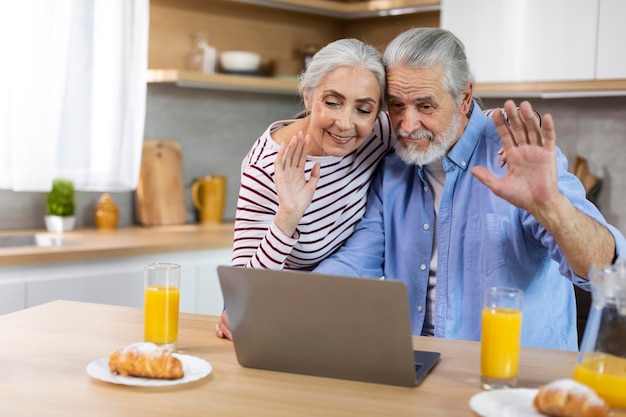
(60, 206)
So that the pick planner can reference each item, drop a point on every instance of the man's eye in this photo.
(426, 108)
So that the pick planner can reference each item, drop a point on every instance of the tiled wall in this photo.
(217, 128)
(594, 128)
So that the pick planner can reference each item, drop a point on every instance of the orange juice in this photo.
(606, 374)
(161, 314)
(500, 342)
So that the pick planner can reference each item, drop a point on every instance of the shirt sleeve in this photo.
(258, 242)
(573, 189)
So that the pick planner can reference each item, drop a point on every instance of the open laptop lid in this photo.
(313, 324)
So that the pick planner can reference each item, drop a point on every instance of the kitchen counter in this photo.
(94, 244)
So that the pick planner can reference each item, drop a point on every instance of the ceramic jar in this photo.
(107, 214)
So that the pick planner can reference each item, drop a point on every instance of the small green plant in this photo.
(60, 200)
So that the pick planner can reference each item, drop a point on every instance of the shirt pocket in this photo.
(483, 244)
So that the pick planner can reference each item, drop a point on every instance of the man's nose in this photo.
(411, 120)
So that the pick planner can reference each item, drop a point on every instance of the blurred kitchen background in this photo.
(216, 122)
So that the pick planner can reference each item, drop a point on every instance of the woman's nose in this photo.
(344, 119)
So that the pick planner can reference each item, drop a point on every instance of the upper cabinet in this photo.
(526, 40)
(541, 47)
(611, 57)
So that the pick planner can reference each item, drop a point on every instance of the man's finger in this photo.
(533, 130)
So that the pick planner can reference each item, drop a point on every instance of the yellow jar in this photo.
(107, 214)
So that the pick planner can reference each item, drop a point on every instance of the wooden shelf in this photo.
(351, 10)
(229, 82)
(553, 89)
(289, 85)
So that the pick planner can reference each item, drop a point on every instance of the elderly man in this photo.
(447, 219)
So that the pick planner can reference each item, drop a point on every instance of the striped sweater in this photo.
(338, 203)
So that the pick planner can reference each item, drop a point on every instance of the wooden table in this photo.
(44, 351)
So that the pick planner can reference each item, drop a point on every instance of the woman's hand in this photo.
(295, 192)
(222, 328)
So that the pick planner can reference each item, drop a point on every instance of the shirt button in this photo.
(426, 226)
(463, 163)
(425, 189)
(420, 308)
(423, 267)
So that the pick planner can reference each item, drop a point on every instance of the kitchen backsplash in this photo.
(216, 129)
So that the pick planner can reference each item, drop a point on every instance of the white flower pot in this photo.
(59, 224)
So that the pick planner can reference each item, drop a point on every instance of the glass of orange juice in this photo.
(161, 300)
(500, 337)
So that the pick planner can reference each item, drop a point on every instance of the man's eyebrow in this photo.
(425, 99)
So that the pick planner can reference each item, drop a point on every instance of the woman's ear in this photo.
(306, 100)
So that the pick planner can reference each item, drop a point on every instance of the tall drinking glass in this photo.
(500, 338)
(161, 300)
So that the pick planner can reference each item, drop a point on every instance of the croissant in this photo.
(568, 398)
(145, 360)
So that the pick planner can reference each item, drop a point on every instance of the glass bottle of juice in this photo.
(601, 362)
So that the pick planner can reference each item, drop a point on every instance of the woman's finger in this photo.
(504, 130)
(518, 130)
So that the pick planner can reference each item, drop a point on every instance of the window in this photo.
(72, 93)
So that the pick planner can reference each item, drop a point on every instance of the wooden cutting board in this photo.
(160, 195)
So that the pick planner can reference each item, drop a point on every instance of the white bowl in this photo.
(239, 61)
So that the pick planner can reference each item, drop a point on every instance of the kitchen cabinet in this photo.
(12, 296)
(538, 48)
(114, 281)
(611, 59)
(276, 29)
(564, 48)
(529, 40)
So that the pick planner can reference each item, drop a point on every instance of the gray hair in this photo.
(426, 47)
(343, 53)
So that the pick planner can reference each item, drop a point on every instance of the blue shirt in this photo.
(482, 240)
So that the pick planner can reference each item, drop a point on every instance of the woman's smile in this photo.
(340, 139)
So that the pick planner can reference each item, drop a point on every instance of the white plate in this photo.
(194, 369)
(516, 402)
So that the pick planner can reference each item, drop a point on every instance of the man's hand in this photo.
(531, 183)
(531, 179)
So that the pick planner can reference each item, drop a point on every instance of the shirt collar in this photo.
(462, 151)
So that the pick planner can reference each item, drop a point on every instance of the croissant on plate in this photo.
(145, 360)
(568, 398)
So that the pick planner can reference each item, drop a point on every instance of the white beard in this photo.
(438, 148)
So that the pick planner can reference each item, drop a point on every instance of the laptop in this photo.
(323, 325)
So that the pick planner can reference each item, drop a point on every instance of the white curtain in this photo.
(72, 93)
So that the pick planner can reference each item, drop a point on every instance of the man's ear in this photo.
(466, 97)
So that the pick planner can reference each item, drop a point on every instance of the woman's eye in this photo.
(364, 111)
(331, 103)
